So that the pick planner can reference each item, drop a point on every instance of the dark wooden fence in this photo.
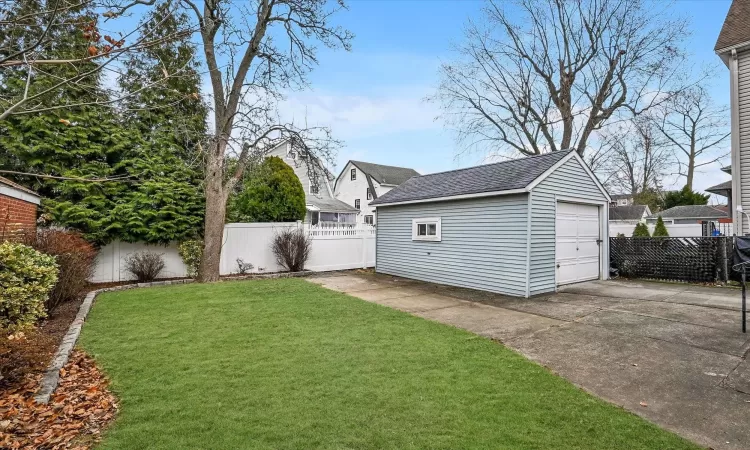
(692, 259)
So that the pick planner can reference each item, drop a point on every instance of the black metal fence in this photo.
(692, 259)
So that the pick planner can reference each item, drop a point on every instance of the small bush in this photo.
(191, 253)
(660, 230)
(292, 249)
(243, 267)
(75, 259)
(641, 230)
(145, 266)
(26, 279)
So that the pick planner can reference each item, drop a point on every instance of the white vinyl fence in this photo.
(110, 263)
(333, 248)
(674, 230)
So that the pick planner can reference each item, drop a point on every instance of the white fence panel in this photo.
(341, 248)
(333, 248)
(674, 230)
(252, 243)
(110, 262)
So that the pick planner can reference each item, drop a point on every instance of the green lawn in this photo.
(287, 364)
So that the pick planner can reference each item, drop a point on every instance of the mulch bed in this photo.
(31, 353)
(74, 418)
(80, 406)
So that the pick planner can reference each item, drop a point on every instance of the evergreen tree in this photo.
(660, 230)
(169, 121)
(641, 230)
(78, 141)
(272, 193)
(685, 196)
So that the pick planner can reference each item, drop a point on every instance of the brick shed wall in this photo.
(16, 218)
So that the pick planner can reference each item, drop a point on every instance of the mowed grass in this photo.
(290, 365)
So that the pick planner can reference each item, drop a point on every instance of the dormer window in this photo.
(354, 174)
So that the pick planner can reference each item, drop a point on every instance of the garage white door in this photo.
(576, 242)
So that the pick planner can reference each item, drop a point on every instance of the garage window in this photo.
(426, 229)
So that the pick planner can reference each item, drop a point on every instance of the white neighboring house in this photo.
(322, 207)
(362, 182)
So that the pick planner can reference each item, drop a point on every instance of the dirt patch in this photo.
(74, 418)
(30, 354)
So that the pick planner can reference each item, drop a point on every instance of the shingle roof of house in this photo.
(386, 174)
(502, 176)
(632, 212)
(620, 196)
(15, 185)
(691, 212)
(329, 204)
(720, 188)
(735, 29)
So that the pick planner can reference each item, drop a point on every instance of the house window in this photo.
(314, 188)
(293, 155)
(354, 174)
(368, 220)
(426, 229)
(369, 194)
(356, 203)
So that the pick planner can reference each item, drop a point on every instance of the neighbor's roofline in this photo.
(572, 154)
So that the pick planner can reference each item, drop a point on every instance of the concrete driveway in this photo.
(676, 349)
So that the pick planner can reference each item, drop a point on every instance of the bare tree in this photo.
(254, 50)
(29, 34)
(543, 75)
(637, 156)
(696, 128)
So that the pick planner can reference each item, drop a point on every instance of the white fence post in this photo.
(363, 231)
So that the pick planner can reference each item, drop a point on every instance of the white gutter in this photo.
(455, 197)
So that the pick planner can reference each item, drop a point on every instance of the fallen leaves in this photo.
(74, 418)
(644, 404)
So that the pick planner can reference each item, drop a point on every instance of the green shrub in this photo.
(271, 193)
(660, 230)
(641, 230)
(191, 253)
(26, 279)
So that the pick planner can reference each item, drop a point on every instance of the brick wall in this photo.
(17, 218)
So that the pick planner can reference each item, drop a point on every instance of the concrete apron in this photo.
(667, 350)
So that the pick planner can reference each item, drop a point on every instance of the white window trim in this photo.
(427, 220)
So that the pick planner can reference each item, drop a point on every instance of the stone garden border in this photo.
(51, 376)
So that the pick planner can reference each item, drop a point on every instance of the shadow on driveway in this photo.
(677, 349)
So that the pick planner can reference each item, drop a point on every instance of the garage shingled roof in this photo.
(502, 176)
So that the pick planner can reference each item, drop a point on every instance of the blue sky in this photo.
(373, 96)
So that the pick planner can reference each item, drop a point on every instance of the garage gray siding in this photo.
(483, 243)
(569, 180)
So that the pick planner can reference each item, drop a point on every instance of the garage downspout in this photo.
(528, 246)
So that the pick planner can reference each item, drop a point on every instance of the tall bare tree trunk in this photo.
(691, 168)
(216, 208)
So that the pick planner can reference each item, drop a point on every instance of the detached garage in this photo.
(521, 227)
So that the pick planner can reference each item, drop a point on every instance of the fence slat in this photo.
(692, 259)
